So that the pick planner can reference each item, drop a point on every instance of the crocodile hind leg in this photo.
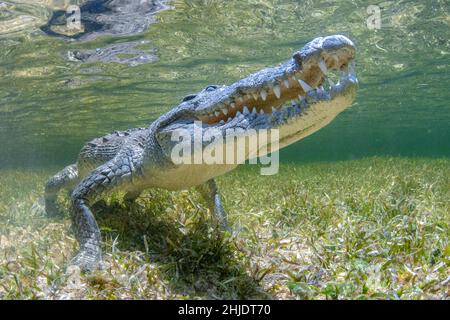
(210, 193)
(66, 178)
(117, 173)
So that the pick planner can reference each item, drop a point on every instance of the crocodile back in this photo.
(100, 150)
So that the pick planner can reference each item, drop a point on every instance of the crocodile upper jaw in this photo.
(291, 97)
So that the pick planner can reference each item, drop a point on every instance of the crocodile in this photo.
(290, 98)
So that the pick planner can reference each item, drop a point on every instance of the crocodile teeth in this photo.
(286, 83)
(224, 111)
(238, 114)
(306, 87)
(255, 95)
(241, 99)
(277, 91)
(300, 96)
(245, 111)
(248, 97)
(261, 111)
(222, 122)
(217, 113)
(263, 94)
(233, 105)
(254, 111)
(323, 67)
(274, 109)
(229, 119)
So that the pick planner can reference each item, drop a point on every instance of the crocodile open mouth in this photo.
(290, 101)
(291, 85)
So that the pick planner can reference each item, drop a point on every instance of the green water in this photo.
(50, 106)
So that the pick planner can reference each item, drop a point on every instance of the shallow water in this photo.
(50, 106)
(372, 220)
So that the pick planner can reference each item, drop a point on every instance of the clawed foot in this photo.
(88, 260)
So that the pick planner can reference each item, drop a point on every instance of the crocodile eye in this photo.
(189, 97)
(207, 89)
(211, 88)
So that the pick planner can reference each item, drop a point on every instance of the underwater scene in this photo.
(359, 204)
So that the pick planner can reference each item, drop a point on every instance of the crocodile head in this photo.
(292, 97)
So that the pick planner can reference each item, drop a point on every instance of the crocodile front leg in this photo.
(66, 178)
(117, 173)
(210, 193)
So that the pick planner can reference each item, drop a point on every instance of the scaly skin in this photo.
(138, 159)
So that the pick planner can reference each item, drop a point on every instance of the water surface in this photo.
(50, 106)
